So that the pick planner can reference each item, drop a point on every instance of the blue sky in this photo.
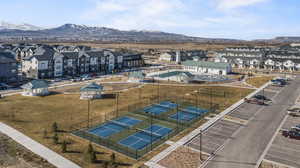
(242, 19)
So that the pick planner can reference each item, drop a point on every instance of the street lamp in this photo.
(117, 104)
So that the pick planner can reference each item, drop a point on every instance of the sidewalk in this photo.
(37, 148)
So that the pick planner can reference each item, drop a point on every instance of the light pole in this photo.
(88, 123)
(200, 145)
(117, 104)
(158, 100)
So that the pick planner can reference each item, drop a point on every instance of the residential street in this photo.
(247, 145)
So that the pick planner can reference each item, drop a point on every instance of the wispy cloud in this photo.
(128, 14)
(231, 4)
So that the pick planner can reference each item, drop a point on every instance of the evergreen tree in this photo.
(55, 138)
(54, 127)
(64, 146)
(113, 158)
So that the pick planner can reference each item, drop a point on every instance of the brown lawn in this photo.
(34, 115)
(259, 81)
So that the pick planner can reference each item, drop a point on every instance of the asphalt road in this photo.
(245, 148)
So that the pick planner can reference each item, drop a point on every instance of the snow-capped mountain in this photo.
(23, 26)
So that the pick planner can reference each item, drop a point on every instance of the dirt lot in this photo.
(183, 157)
(35, 115)
(13, 155)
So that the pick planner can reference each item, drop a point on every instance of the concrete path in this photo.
(153, 162)
(37, 148)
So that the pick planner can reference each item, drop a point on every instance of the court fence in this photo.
(114, 145)
(81, 129)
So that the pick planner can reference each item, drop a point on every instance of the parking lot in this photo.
(285, 150)
(245, 111)
(215, 136)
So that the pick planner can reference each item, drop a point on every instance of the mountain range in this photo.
(73, 32)
(24, 26)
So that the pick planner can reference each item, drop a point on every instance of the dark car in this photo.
(261, 97)
(291, 134)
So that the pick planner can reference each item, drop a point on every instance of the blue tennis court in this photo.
(168, 104)
(143, 138)
(162, 107)
(188, 114)
(112, 127)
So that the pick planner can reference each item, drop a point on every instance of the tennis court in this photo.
(143, 138)
(162, 107)
(189, 113)
(114, 126)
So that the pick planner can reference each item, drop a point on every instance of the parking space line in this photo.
(280, 158)
(276, 147)
(206, 144)
(212, 136)
(223, 131)
(220, 134)
(270, 142)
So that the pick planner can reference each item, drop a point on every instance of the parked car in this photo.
(261, 97)
(291, 134)
(277, 83)
(296, 128)
(76, 79)
(294, 114)
(3, 86)
(86, 77)
(255, 101)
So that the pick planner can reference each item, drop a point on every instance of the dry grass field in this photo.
(259, 81)
(158, 46)
(35, 115)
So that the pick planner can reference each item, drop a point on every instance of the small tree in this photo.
(55, 138)
(113, 158)
(45, 133)
(89, 153)
(54, 127)
(64, 146)
(90, 148)
(106, 164)
(93, 157)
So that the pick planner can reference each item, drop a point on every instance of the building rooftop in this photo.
(35, 84)
(206, 64)
(92, 87)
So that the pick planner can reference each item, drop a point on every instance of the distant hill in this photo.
(24, 26)
(82, 32)
(73, 32)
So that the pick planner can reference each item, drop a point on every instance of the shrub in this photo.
(55, 138)
(64, 146)
(54, 127)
